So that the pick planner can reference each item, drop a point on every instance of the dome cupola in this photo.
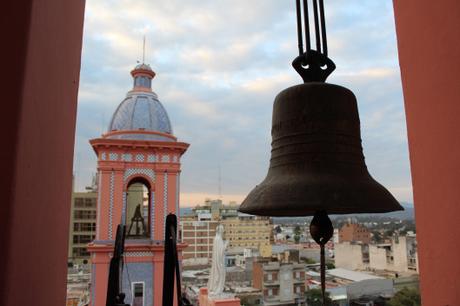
(141, 116)
(143, 76)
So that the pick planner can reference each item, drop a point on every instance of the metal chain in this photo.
(320, 26)
(312, 65)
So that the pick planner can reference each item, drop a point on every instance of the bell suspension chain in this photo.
(312, 65)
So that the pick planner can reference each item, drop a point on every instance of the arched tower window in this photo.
(138, 209)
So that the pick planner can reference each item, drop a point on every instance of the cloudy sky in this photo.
(219, 65)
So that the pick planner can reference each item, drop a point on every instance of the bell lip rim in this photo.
(298, 211)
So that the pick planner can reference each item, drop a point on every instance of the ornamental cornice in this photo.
(123, 144)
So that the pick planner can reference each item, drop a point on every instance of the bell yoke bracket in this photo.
(313, 66)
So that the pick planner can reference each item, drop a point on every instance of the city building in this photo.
(198, 233)
(347, 287)
(82, 229)
(281, 283)
(78, 287)
(138, 172)
(351, 255)
(247, 231)
(197, 230)
(398, 255)
(248, 253)
(354, 232)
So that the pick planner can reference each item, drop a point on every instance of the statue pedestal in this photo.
(206, 300)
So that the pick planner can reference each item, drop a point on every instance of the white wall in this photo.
(349, 256)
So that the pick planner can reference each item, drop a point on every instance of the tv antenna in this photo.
(220, 182)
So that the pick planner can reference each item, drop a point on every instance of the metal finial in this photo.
(143, 51)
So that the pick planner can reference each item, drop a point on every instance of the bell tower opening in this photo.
(138, 209)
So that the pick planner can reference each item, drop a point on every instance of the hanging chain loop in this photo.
(312, 65)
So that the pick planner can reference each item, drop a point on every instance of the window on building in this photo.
(142, 81)
(84, 214)
(84, 227)
(78, 202)
(80, 252)
(90, 203)
(138, 294)
(83, 238)
(270, 292)
(137, 210)
(269, 277)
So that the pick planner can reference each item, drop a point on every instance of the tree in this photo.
(278, 229)
(377, 237)
(314, 297)
(388, 234)
(309, 261)
(406, 297)
(297, 239)
(297, 232)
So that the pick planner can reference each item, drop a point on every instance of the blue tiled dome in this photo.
(140, 110)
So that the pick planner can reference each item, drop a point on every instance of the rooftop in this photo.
(351, 275)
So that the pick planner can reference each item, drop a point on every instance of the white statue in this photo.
(217, 278)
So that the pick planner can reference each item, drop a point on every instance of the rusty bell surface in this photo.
(317, 161)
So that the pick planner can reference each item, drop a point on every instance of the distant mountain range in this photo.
(406, 214)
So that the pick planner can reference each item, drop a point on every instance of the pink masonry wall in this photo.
(41, 51)
(429, 54)
(111, 164)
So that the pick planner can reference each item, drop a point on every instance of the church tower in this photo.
(139, 166)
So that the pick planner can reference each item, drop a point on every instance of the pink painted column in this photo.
(104, 196)
(41, 63)
(429, 56)
(172, 192)
(159, 197)
(117, 200)
(102, 271)
(158, 278)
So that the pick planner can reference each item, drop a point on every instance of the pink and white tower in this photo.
(139, 168)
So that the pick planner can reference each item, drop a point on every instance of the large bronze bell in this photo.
(317, 161)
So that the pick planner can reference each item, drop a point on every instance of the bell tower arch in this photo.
(139, 172)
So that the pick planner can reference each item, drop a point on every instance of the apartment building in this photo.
(281, 283)
(398, 255)
(198, 232)
(82, 225)
(242, 231)
(247, 231)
